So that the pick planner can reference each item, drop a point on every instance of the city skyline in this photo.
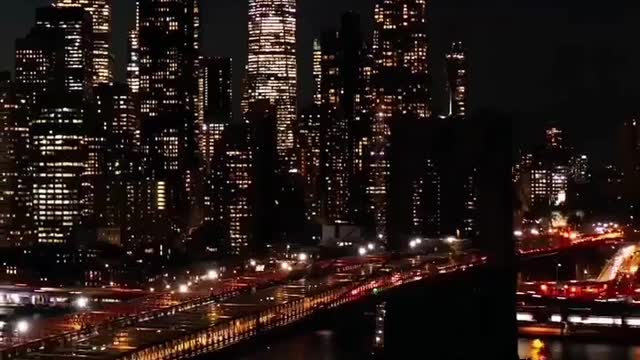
(458, 17)
(178, 177)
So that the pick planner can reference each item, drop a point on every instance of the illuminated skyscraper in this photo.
(317, 72)
(57, 56)
(237, 212)
(400, 53)
(457, 77)
(73, 70)
(14, 140)
(100, 11)
(336, 138)
(272, 68)
(168, 38)
(58, 163)
(401, 86)
(133, 54)
(310, 156)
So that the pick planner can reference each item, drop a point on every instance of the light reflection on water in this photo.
(564, 350)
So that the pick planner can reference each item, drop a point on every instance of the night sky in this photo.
(539, 61)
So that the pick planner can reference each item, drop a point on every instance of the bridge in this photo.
(215, 322)
(211, 315)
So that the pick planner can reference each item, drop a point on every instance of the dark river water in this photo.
(330, 344)
(351, 336)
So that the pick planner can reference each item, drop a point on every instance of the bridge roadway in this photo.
(75, 325)
(213, 325)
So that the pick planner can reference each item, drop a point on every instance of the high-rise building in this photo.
(57, 55)
(58, 157)
(400, 52)
(310, 159)
(272, 68)
(238, 186)
(401, 86)
(317, 72)
(216, 82)
(119, 201)
(554, 138)
(217, 104)
(100, 11)
(133, 54)
(73, 70)
(336, 135)
(14, 140)
(580, 169)
(36, 59)
(218, 89)
(469, 228)
(343, 97)
(168, 40)
(458, 82)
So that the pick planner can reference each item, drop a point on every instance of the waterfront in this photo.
(339, 343)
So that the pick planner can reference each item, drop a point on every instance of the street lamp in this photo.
(412, 244)
(371, 246)
(183, 288)
(82, 302)
(22, 326)
(362, 251)
(212, 274)
(253, 263)
(558, 266)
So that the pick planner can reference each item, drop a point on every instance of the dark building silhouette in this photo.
(458, 80)
(216, 84)
(14, 190)
(168, 40)
(400, 81)
(310, 158)
(119, 198)
(343, 71)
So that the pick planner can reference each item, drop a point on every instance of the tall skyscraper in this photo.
(58, 163)
(216, 82)
(14, 140)
(272, 68)
(237, 213)
(401, 86)
(343, 97)
(317, 72)
(100, 11)
(400, 52)
(168, 56)
(310, 156)
(73, 70)
(336, 138)
(119, 200)
(457, 76)
(217, 104)
(57, 55)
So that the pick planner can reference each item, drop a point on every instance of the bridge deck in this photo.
(117, 343)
